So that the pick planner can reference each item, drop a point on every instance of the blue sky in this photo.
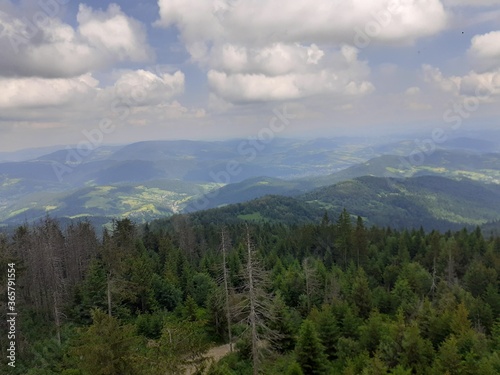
(216, 69)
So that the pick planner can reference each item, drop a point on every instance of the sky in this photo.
(100, 72)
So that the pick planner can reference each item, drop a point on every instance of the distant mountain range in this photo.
(445, 163)
(148, 180)
(430, 202)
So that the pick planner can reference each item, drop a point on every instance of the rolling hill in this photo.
(49, 183)
(147, 180)
(452, 164)
(432, 202)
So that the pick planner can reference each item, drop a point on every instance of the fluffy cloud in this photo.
(132, 89)
(257, 87)
(144, 88)
(321, 21)
(113, 33)
(483, 82)
(272, 60)
(50, 48)
(257, 51)
(485, 51)
(284, 76)
(434, 76)
(483, 86)
(21, 93)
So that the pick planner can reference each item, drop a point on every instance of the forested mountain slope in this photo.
(330, 297)
(428, 201)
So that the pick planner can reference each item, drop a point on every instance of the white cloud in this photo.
(274, 59)
(258, 22)
(483, 86)
(114, 33)
(483, 82)
(435, 77)
(284, 72)
(256, 50)
(259, 87)
(144, 88)
(485, 51)
(78, 96)
(53, 49)
(20, 93)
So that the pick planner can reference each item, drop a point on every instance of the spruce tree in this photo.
(106, 347)
(309, 350)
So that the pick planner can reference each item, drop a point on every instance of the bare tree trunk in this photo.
(226, 289)
(311, 283)
(450, 266)
(56, 317)
(109, 293)
(252, 316)
(434, 285)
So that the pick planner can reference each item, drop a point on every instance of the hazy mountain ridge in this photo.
(446, 163)
(429, 201)
(147, 180)
(30, 188)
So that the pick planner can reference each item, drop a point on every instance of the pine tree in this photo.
(182, 344)
(344, 237)
(460, 323)
(325, 221)
(328, 331)
(449, 358)
(361, 294)
(106, 347)
(93, 289)
(283, 325)
(309, 351)
(360, 242)
(294, 369)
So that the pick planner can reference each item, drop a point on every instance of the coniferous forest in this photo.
(179, 297)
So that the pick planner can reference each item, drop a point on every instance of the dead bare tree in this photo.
(253, 302)
(312, 282)
(81, 246)
(41, 250)
(224, 244)
(50, 263)
(256, 305)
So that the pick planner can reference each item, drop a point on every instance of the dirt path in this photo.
(216, 353)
